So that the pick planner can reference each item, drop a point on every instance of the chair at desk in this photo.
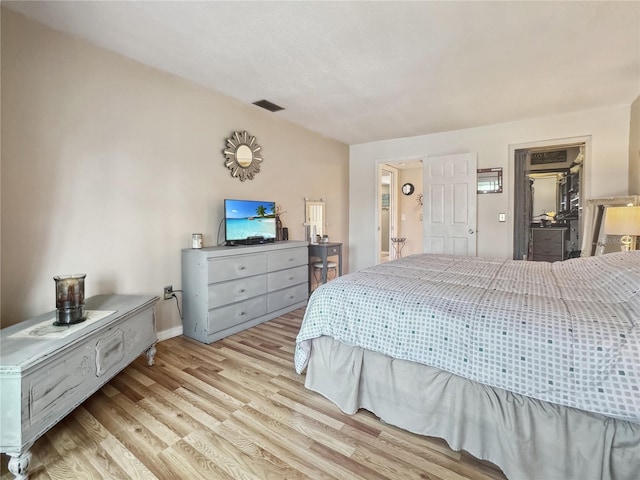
(319, 253)
(317, 271)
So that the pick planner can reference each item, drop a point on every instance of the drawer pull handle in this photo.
(242, 290)
(242, 314)
(243, 267)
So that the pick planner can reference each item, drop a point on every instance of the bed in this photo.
(533, 366)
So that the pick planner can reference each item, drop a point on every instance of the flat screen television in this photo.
(249, 222)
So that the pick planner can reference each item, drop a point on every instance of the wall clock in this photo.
(242, 156)
(408, 188)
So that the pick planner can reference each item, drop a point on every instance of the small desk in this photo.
(324, 250)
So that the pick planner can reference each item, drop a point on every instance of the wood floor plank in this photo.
(266, 353)
(232, 394)
(235, 409)
(188, 346)
(92, 452)
(233, 461)
(360, 420)
(307, 411)
(140, 377)
(307, 426)
(271, 466)
(146, 413)
(127, 460)
(136, 438)
(178, 402)
(298, 454)
(72, 462)
(184, 461)
(353, 468)
(90, 425)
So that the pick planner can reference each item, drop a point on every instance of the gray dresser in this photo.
(229, 289)
(47, 371)
(548, 244)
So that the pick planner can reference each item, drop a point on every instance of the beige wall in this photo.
(410, 212)
(108, 166)
(1, 10)
(634, 149)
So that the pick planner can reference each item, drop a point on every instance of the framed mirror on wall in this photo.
(314, 220)
(242, 156)
(490, 180)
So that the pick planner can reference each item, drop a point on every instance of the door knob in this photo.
(471, 231)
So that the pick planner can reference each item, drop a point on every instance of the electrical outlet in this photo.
(168, 292)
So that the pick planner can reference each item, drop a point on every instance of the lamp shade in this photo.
(622, 221)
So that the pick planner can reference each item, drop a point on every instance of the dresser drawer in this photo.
(287, 278)
(291, 257)
(236, 290)
(548, 249)
(237, 313)
(547, 235)
(333, 251)
(548, 244)
(286, 297)
(231, 268)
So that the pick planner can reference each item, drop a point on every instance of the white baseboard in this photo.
(169, 333)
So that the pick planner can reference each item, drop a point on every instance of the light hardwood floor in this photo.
(234, 409)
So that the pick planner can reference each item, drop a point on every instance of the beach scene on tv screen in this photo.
(246, 219)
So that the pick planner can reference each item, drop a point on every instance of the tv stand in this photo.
(226, 290)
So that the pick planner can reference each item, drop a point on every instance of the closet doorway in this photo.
(549, 192)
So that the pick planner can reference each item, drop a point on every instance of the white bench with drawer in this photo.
(46, 371)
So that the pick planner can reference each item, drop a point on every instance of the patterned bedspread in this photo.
(565, 332)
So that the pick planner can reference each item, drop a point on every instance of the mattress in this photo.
(566, 332)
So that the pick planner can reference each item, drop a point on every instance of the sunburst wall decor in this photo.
(242, 155)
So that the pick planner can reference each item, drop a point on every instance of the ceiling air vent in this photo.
(267, 105)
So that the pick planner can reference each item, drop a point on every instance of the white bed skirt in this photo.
(526, 438)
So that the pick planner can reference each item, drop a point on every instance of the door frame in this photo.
(393, 184)
(511, 172)
(393, 206)
(393, 201)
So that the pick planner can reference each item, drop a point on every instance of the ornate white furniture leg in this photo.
(19, 464)
(151, 353)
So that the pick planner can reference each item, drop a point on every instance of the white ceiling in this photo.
(366, 71)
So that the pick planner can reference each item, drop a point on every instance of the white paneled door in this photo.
(450, 194)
